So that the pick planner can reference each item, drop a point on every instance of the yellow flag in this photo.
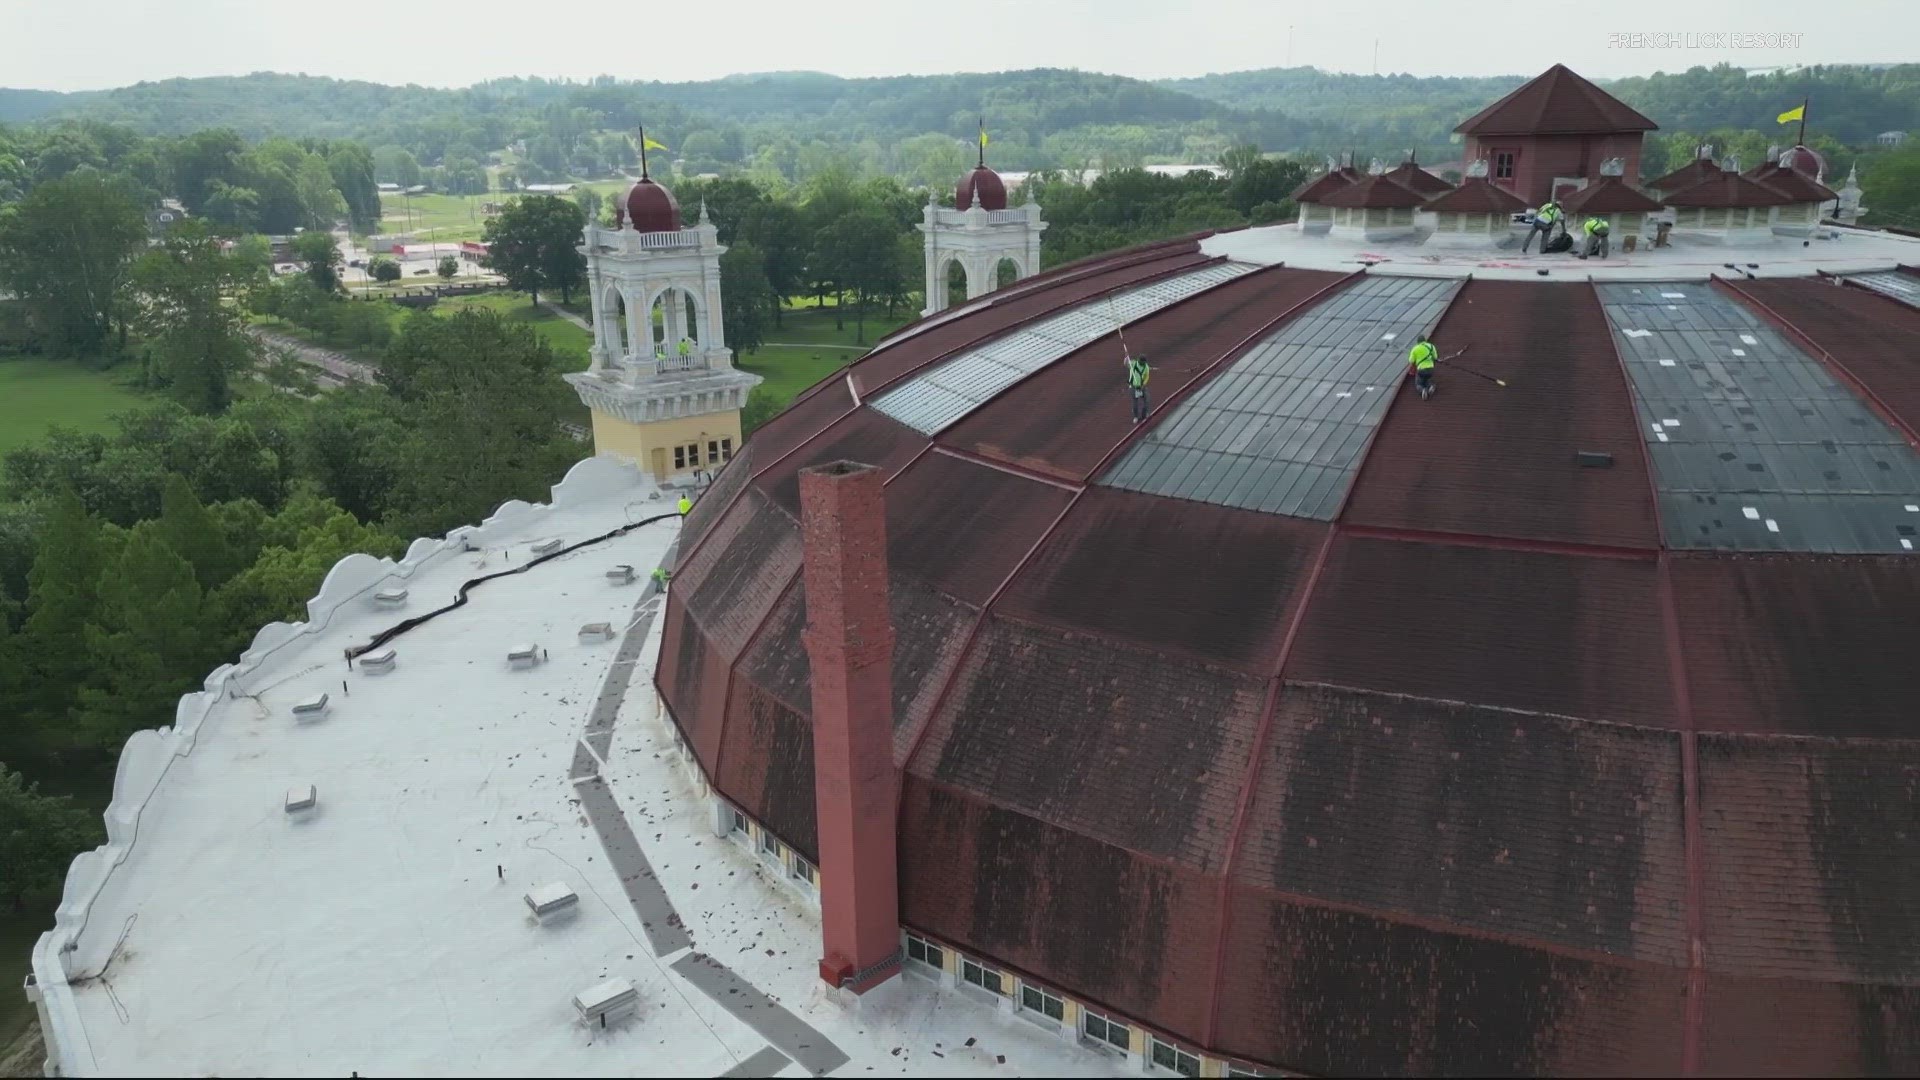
(1795, 113)
(647, 142)
(983, 138)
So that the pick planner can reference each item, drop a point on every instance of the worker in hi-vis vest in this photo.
(1420, 360)
(686, 504)
(686, 347)
(1596, 229)
(1543, 222)
(660, 578)
(1137, 375)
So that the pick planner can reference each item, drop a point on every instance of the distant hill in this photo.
(1038, 118)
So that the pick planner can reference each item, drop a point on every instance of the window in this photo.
(739, 823)
(1102, 1030)
(1503, 165)
(1173, 1059)
(719, 451)
(1034, 999)
(983, 977)
(679, 457)
(925, 952)
(769, 843)
(804, 870)
(1235, 1070)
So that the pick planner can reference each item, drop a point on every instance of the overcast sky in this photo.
(91, 44)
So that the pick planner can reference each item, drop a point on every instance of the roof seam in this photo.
(1694, 1010)
(1622, 552)
(1832, 362)
(1250, 786)
(687, 559)
(973, 635)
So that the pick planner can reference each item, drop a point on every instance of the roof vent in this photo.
(1376, 167)
(524, 656)
(1613, 166)
(311, 709)
(393, 597)
(1595, 459)
(621, 575)
(610, 999)
(378, 662)
(1704, 151)
(549, 902)
(301, 798)
(595, 632)
(1732, 164)
(1478, 168)
(541, 547)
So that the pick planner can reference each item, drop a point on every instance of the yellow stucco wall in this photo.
(637, 442)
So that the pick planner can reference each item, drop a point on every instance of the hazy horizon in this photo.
(72, 45)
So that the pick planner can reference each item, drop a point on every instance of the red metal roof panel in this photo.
(1802, 646)
(744, 574)
(765, 766)
(1064, 419)
(1540, 827)
(929, 629)
(707, 508)
(1727, 190)
(865, 436)
(1126, 933)
(1686, 175)
(1780, 1027)
(1346, 994)
(963, 527)
(1812, 854)
(1133, 748)
(1487, 460)
(1209, 582)
(800, 422)
(1553, 633)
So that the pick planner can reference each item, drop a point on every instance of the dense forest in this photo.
(1039, 118)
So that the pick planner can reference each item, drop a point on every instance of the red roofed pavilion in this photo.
(1552, 134)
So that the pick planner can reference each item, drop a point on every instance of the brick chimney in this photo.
(849, 640)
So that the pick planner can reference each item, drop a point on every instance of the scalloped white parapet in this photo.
(73, 948)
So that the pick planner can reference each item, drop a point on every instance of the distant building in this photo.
(161, 219)
(548, 189)
(389, 189)
(1890, 138)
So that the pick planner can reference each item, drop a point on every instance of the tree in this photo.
(448, 267)
(191, 530)
(66, 251)
(745, 297)
(62, 594)
(775, 227)
(39, 836)
(352, 169)
(383, 270)
(147, 640)
(480, 401)
(303, 543)
(1890, 190)
(322, 257)
(200, 341)
(395, 165)
(860, 254)
(534, 242)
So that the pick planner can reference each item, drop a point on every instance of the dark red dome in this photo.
(651, 208)
(984, 182)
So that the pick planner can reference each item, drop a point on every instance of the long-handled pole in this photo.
(1451, 366)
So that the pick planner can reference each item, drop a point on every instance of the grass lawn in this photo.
(38, 394)
(435, 217)
(816, 350)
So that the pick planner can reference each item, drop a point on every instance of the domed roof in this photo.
(984, 182)
(651, 207)
(1318, 727)
(1805, 160)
